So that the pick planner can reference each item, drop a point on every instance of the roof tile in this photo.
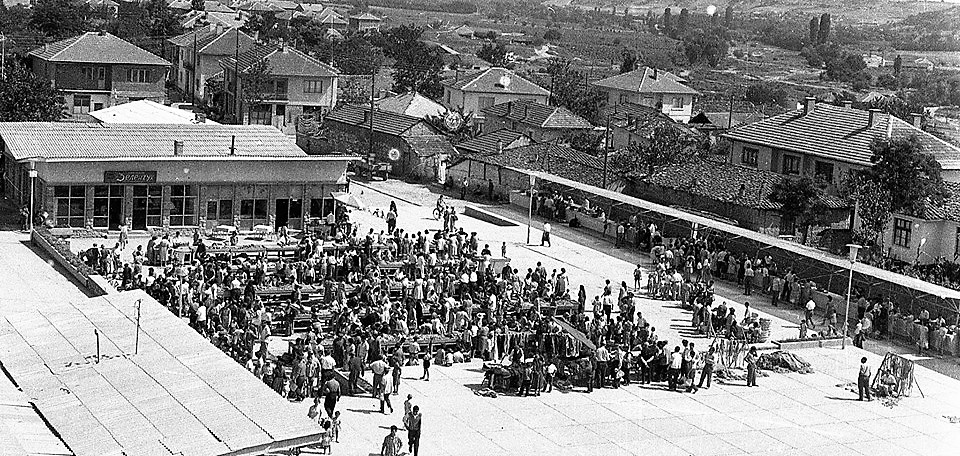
(383, 122)
(93, 47)
(537, 114)
(647, 80)
(488, 81)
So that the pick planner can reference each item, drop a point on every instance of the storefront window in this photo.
(70, 200)
(147, 200)
(253, 209)
(183, 199)
(320, 207)
(107, 206)
(221, 210)
(296, 208)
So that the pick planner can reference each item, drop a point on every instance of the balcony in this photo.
(275, 96)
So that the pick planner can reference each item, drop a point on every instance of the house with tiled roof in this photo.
(97, 70)
(828, 142)
(538, 121)
(509, 169)
(203, 19)
(475, 91)
(364, 22)
(410, 145)
(196, 55)
(650, 87)
(411, 104)
(494, 142)
(632, 123)
(296, 85)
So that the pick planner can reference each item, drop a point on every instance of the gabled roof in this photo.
(260, 7)
(412, 104)
(285, 61)
(312, 7)
(94, 47)
(430, 145)
(949, 210)
(726, 182)
(145, 112)
(538, 115)
(197, 18)
(383, 122)
(839, 133)
(647, 80)
(70, 140)
(209, 42)
(285, 4)
(560, 160)
(330, 17)
(489, 143)
(366, 17)
(489, 81)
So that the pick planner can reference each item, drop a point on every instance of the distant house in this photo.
(476, 91)
(710, 122)
(650, 87)
(298, 84)
(411, 104)
(97, 70)
(147, 112)
(364, 22)
(463, 31)
(536, 120)
(828, 142)
(330, 19)
(874, 60)
(631, 123)
(196, 56)
(204, 19)
(409, 144)
(494, 142)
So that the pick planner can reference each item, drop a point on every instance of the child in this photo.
(325, 438)
(335, 427)
(803, 328)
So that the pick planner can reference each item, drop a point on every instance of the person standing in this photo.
(603, 357)
(379, 369)
(414, 423)
(748, 275)
(673, 374)
(331, 394)
(463, 188)
(808, 313)
(391, 443)
(385, 389)
(863, 379)
(751, 360)
(707, 373)
(545, 239)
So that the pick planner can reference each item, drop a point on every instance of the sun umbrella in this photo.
(349, 200)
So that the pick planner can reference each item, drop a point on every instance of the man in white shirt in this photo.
(545, 239)
(808, 312)
(676, 362)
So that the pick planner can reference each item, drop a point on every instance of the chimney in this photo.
(847, 103)
(283, 47)
(366, 117)
(629, 119)
(874, 117)
(218, 28)
(656, 74)
(499, 146)
(916, 119)
(809, 104)
(525, 111)
(233, 143)
(177, 148)
(509, 108)
(743, 190)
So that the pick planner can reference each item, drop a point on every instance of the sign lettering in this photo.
(129, 177)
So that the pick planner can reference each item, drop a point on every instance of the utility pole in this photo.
(136, 337)
(730, 114)
(3, 56)
(373, 88)
(193, 77)
(236, 80)
(533, 182)
(606, 150)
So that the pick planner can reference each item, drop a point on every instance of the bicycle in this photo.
(437, 213)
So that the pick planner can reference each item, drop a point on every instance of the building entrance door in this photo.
(146, 206)
(283, 212)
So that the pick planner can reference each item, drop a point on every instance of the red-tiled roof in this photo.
(430, 145)
(838, 133)
(489, 81)
(949, 210)
(92, 47)
(282, 62)
(552, 158)
(488, 143)
(647, 80)
(725, 182)
(383, 122)
(209, 42)
(538, 115)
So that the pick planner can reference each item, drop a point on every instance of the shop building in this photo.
(167, 176)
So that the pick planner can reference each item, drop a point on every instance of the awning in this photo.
(349, 200)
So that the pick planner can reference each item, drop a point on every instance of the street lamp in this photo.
(533, 183)
(854, 248)
(32, 173)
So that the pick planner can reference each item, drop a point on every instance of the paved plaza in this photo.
(791, 414)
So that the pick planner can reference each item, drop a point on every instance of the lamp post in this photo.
(854, 248)
(533, 182)
(32, 173)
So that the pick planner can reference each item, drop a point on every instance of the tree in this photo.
(704, 47)
(160, 20)
(397, 40)
(629, 63)
(765, 93)
(814, 35)
(587, 142)
(197, 5)
(493, 53)
(668, 21)
(352, 91)
(59, 18)
(845, 67)
(683, 21)
(255, 81)
(664, 145)
(553, 35)
(797, 199)
(823, 35)
(418, 69)
(897, 65)
(728, 17)
(569, 91)
(24, 97)
(873, 211)
(15, 19)
(910, 177)
(355, 55)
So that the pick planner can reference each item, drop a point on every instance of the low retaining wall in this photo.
(480, 214)
(809, 343)
(94, 283)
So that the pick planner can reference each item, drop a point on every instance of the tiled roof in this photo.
(488, 81)
(725, 182)
(725, 119)
(624, 111)
(92, 47)
(839, 133)
(383, 122)
(145, 112)
(209, 42)
(647, 80)
(366, 17)
(552, 158)
(282, 62)
(950, 210)
(488, 143)
(88, 140)
(537, 114)
(330, 17)
(227, 19)
(430, 145)
(260, 6)
(411, 104)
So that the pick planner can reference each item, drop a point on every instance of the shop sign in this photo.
(129, 177)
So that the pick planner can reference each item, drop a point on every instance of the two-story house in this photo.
(295, 84)
(364, 22)
(476, 91)
(196, 55)
(97, 70)
(827, 142)
(538, 121)
(650, 87)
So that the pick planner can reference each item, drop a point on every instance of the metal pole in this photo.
(97, 335)
(846, 314)
(3, 56)
(606, 150)
(236, 81)
(530, 208)
(136, 336)
(33, 180)
(373, 89)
